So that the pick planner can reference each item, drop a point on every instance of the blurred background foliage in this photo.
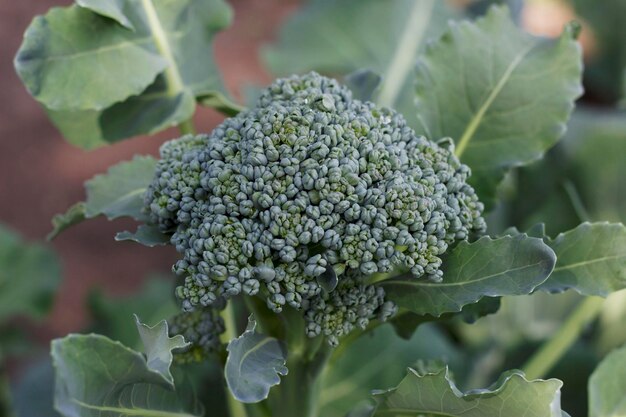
(580, 179)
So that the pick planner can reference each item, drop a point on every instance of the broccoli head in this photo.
(302, 197)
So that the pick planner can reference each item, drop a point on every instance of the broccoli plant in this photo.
(337, 229)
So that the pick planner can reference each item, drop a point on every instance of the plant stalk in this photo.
(549, 354)
(235, 408)
(186, 127)
(298, 392)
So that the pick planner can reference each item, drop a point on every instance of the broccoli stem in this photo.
(552, 351)
(298, 392)
(186, 127)
(236, 408)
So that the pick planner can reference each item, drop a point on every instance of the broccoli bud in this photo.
(201, 329)
(306, 182)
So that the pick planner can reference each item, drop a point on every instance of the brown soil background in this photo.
(41, 174)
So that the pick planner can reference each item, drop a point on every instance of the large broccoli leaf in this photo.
(434, 393)
(29, 276)
(352, 374)
(120, 381)
(343, 36)
(503, 95)
(485, 268)
(591, 259)
(106, 70)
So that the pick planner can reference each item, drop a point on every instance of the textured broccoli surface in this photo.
(302, 197)
(201, 329)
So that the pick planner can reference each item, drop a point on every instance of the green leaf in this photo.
(70, 59)
(109, 8)
(485, 268)
(353, 375)
(150, 236)
(34, 392)
(606, 386)
(434, 393)
(254, 364)
(96, 376)
(94, 110)
(339, 37)
(153, 302)
(73, 216)
(118, 193)
(591, 259)
(29, 276)
(480, 85)
(158, 346)
(406, 322)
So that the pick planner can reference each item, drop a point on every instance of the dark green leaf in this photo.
(479, 85)
(96, 376)
(158, 347)
(29, 276)
(73, 216)
(363, 83)
(146, 235)
(34, 393)
(591, 259)
(406, 322)
(435, 393)
(607, 58)
(607, 397)
(118, 193)
(485, 268)
(376, 360)
(254, 364)
(344, 36)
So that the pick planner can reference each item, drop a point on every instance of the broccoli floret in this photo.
(201, 329)
(302, 197)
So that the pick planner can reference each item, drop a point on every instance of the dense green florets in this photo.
(201, 329)
(303, 196)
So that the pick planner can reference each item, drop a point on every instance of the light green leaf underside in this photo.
(607, 386)
(436, 394)
(363, 84)
(158, 347)
(339, 37)
(96, 107)
(485, 268)
(254, 364)
(119, 382)
(75, 59)
(29, 276)
(481, 83)
(120, 191)
(354, 375)
(591, 259)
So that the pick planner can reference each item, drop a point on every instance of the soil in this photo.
(41, 174)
